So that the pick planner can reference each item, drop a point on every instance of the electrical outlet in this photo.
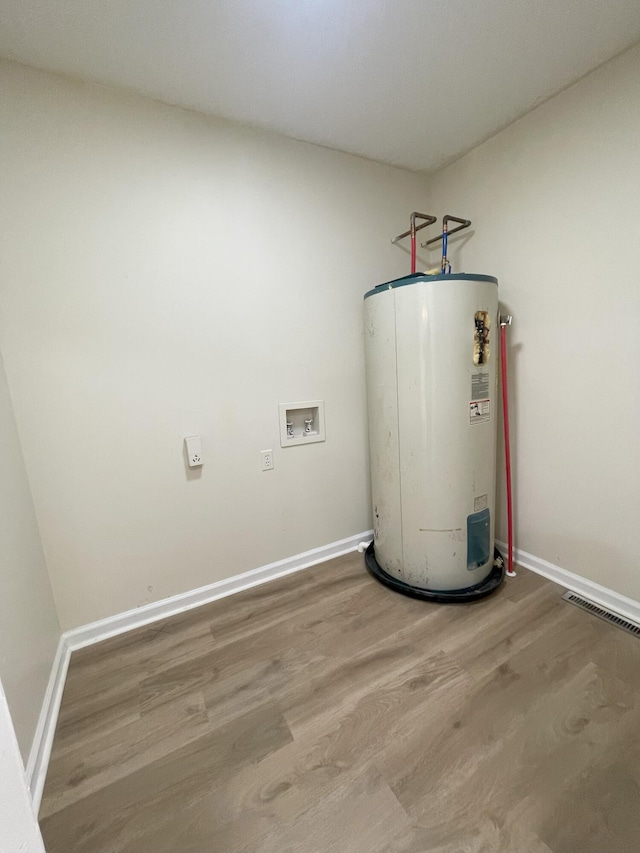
(193, 445)
(267, 459)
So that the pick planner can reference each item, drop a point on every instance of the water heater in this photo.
(431, 356)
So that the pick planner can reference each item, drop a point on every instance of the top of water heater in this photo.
(417, 277)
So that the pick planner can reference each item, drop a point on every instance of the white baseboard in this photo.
(36, 770)
(120, 623)
(607, 598)
(86, 635)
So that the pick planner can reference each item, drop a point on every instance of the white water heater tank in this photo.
(431, 354)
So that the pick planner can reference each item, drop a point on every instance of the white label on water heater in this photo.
(479, 412)
(479, 386)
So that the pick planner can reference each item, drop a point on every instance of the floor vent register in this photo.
(602, 613)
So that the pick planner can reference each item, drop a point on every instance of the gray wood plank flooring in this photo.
(323, 712)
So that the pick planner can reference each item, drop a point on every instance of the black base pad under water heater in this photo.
(470, 593)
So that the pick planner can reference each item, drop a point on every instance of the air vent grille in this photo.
(601, 613)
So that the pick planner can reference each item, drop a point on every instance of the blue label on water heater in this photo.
(478, 539)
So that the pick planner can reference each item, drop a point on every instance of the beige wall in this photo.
(19, 832)
(29, 628)
(554, 201)
(163, 274)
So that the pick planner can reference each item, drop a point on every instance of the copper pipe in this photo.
(464, 223)
(429, 220)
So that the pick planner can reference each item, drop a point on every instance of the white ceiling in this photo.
(415, 83)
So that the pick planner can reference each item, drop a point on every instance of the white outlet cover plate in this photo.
(193, 446)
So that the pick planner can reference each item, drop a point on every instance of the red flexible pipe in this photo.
(507, 448)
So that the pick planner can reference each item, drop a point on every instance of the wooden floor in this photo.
(323, 712)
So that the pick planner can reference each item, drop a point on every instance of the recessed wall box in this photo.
(301, 423)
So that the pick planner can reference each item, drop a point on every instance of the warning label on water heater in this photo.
(479, 412)
(479, 386)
